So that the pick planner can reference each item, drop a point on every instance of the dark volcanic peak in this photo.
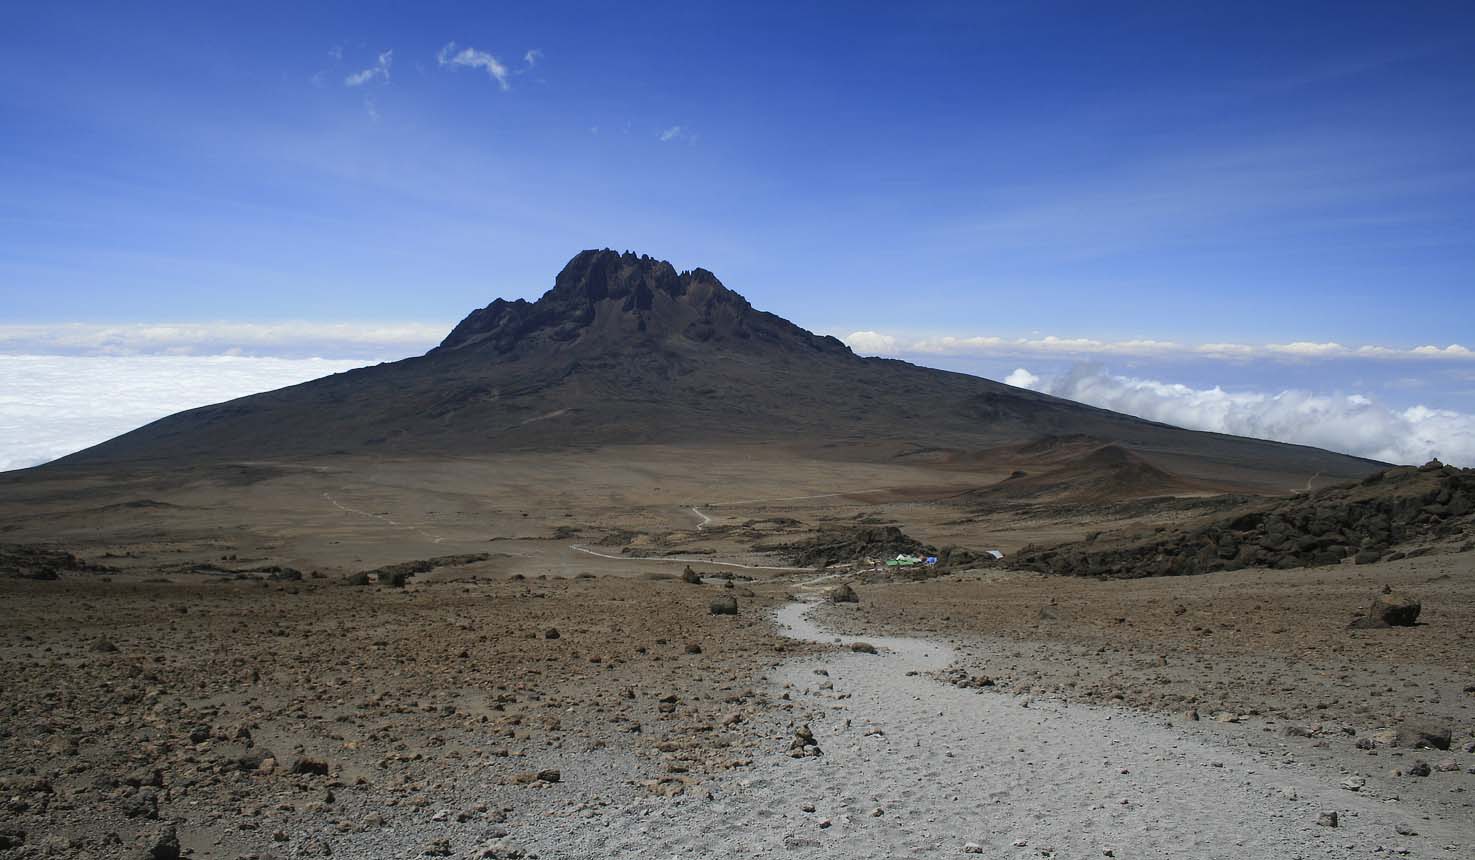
(626, 350)
(606, 300)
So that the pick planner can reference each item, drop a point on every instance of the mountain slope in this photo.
(625, 349)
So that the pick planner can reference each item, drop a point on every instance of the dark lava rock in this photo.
(314, 767)
(166, 847)
(690, 576)
(103, 646)
(1390, 610)
(33, 562)
(550, 775)
(723, 606)
(1423, 737)
(551, 633)
(862, 647)
(1373, 520)
(843, 545)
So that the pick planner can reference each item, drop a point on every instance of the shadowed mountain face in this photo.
(625, 349)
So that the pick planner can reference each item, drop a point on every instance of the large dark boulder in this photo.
(1390, 609)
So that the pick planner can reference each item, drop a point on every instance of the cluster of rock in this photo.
(32, 562)
(804, 745)
(1363, 522)
(396, 575)
(845, 545)
(836, 546)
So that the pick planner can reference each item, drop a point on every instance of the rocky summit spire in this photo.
(607, 299)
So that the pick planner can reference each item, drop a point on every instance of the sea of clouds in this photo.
(67, 387)
(1352, 423)
(51, 405)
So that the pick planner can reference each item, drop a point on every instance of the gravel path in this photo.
(914, 766)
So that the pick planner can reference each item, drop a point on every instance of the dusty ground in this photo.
(217, 691)
(434, 708)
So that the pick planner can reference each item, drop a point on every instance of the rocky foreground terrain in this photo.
(250, 717)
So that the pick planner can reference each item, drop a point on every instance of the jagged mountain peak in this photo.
(603, 299)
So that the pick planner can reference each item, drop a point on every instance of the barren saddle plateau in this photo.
(624, 350)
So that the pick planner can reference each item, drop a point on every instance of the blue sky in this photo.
(1249, 173)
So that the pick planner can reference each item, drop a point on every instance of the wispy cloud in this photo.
(532, 57)
(677, 132)
(1351, 423)
(380, 70)
(279, 339)
(878, 343)
(472, 58)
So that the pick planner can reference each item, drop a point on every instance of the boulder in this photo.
(1390, 609)
(166, 847)
(843, 593)
(690, 576)
(310, 766)
(723, 606)
(1416, 736)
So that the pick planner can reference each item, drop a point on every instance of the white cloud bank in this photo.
(51, 405)
(878, 343)
(279, 339)
(1352, 424)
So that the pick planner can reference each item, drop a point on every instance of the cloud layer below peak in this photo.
(879, 343)
(275, 339)
(1353, 424)
(53, 405)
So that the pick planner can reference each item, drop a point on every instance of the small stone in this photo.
(1327, 819)
(862, 647)
(551, 633)
(1354, 783)
(972, 848)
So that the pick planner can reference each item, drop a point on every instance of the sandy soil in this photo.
(433, 710)
(262, 718)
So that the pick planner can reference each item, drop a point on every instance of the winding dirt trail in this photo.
(911, 766)
(384, 518)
